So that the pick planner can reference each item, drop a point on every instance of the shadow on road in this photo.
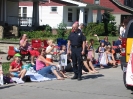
(8, 86)
(93, 76)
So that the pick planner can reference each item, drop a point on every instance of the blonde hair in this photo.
(50, 41)
(14, 57)
(108, 47)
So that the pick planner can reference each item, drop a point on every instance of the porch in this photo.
(9, 17)
(9, 13)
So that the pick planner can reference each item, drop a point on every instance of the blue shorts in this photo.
(15, 74)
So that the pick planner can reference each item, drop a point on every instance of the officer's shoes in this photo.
(74, 77)
(79, 78)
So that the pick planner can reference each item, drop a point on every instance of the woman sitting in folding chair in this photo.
(26, 46)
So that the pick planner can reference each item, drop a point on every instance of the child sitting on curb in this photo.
(15, 68)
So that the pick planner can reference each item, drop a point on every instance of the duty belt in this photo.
(78, 46)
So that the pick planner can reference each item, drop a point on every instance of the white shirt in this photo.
(122, 30)
(49, 55)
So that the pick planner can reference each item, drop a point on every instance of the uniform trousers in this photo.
(77, 61)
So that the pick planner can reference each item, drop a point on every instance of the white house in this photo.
(56, 11)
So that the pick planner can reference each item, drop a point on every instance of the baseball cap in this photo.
(17, 55)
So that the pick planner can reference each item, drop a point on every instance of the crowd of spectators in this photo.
(45, 65)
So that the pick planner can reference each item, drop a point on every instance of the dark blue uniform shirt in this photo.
(117, 43)
(76, 38)
(105, 43)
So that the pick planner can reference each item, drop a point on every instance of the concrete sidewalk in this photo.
(4, 56)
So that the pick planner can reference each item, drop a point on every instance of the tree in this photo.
(108, 18)
(61, 30)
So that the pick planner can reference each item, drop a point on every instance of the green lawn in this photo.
(5, 67)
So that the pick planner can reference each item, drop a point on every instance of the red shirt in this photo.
(16, 65)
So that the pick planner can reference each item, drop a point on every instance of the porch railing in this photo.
(20, 21)
(27, 21)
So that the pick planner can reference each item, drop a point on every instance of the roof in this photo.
(77, 3)
(51, 3)
(28, 0)
(87, 4)
(118, 2)
(110, 4)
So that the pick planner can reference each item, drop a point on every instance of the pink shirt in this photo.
(40, 64)
(27, 46)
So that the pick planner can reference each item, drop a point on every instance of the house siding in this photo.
(117, 19)
(51, 18)
(46, 16)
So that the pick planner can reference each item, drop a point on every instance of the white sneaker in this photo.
(20, 81)
(32, 63)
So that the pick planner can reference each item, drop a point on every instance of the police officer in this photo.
(76, 40)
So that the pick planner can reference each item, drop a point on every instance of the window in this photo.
(24, 11)
(70, 14)
(19, 12)
(53, 9)
(85, 17)
(97, 2)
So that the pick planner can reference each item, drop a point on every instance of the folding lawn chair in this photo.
(45, 44)
(36, 43)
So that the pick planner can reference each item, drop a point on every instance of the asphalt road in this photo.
(107, 84)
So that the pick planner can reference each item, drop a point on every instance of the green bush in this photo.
(94, 28)
(67, 33)
(36, 34)
(61, 30)
(46, 28)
